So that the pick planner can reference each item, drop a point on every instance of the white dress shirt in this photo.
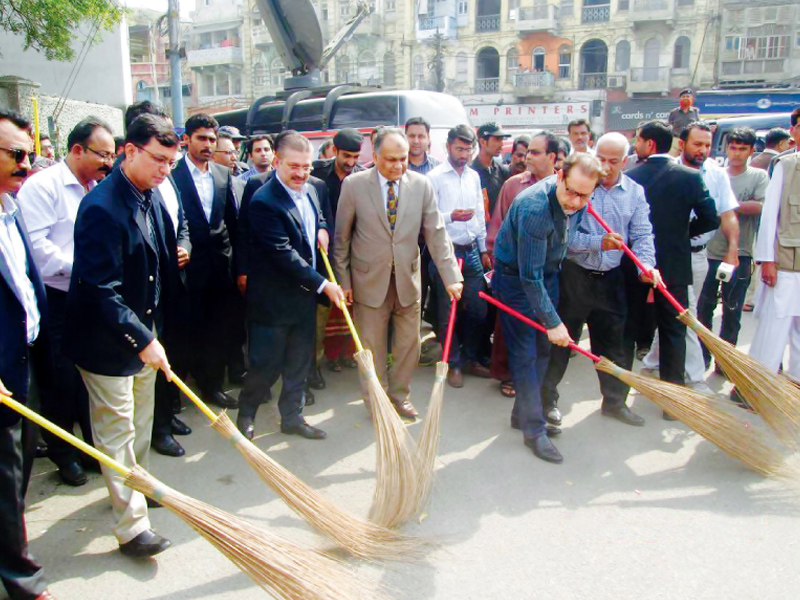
(170, 197)
(49, 201)
(204, 182)
(385, 190)
(12, 251)
(719, 187)
(454, 191)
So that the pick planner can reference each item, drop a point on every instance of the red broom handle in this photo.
(451, 322)
(661, 287)
(534, 324)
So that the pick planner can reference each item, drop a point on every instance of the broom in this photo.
(358, 537)
(428, 444)
(395, 499)
(280, 567)
(771, 395)
(719, 422)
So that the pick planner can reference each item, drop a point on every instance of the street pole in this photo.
(175, 62)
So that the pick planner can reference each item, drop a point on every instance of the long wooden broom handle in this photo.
(346, 312)
(451, 322)
(534, 324)
(661, 287)
(204, 408)
(64, 435)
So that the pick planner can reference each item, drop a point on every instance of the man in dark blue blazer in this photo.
(283, 287)
(23, 312)
(212, 325)
(125, 273)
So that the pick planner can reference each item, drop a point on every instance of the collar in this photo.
(448, 166)
(141, 197)
(385, 182)
(665, 155)
(8, 208)
(624, 182)
(770, 151)
(68, 177)
(293, 194)
(193, 168)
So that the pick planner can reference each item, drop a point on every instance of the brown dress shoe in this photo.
(478, 370)
(405, 409)
(455, 378)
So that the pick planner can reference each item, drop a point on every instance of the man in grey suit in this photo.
(380, 215)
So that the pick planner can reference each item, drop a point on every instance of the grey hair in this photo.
(386, 131)
(614, 137)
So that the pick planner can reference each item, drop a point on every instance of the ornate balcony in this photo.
(428, 26)
(489, 85)
(487, 23)
(652, 11)
(596, 14)
(221, 55)
(534, 84)
(534, 19)
(594, 81)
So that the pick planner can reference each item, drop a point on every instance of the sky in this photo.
(161, 5)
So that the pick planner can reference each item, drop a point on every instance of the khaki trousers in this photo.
(373, 326)
(122, 425)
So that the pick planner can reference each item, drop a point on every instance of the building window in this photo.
(513, 9)
(512, 64)
(324, 11)
(623, 4)
(685, 2)
(463, 7)
(389, 69)
(462, 67)
(567, 8)
(260, 75)
(368, 68)
(344, 9)
(343, 69)
(767, 41)
(418, 72)
(390, 5)
(682, 52)
(277, 73)
(623, 56)
(537, 60)
(732, 43)
(564, 62)
(431, 8)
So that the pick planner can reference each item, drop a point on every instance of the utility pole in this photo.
(176, 86)
(436, 64)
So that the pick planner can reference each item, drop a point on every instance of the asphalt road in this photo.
(652, 512)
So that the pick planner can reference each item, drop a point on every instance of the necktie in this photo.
(147, 207)
(391, 205)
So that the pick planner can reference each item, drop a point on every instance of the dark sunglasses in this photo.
(18, 154)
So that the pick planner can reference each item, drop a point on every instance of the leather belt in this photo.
(696, 249)
(468, 248)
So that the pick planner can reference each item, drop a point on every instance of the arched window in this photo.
(683, 47)
(343, 69)
(389, 69)
(512, 64)
(259, 75)
(462, 67)
(367, 67)
(418, 72)
(277, 73)
(537, 59)
(564, 62)
(623, 56)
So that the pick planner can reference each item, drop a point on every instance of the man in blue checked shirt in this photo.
(528, 252)
(591, 285)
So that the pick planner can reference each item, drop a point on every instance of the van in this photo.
(760, 123)
(319, 114)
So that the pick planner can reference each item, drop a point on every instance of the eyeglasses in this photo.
(19, 154)
(104, 156)
(160, 160)
(228, 152)
(573, 194)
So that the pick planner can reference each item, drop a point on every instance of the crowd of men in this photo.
(132, 260)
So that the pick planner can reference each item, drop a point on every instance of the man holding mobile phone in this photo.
(458, 193)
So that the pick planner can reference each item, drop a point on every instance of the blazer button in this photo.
(152, 278)
(149, 311)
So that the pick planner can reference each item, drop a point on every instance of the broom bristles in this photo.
(280, 567)
(395, 498)
(713, 419)
(774, 397)
(358, 537)
(428, 445)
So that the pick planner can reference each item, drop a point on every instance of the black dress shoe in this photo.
(72, 474)
(624, 415)
(167, 445)
(90, 464)
(246, 425)
(544, 449)
(221, 399)
(310, 400)
(152, 503)
(41, 451)
(305, 430)
(315, 379)
(178, 427)
(147, 543)
(551, 430)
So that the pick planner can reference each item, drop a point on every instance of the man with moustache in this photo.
(124, 278)
(51, 199)
(259, 149)
(591, 285)
(283, 285)
(684, 114)
(23, 316)
(225, 155)
(210, 328)
(493, 174)
(381, 212)
(580, 133)
(418, 132)
(517, 164)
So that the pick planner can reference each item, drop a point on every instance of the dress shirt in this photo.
(12, 249)
(170, 198)
(204, 182)
(719, 188)
(454, 191)
(624, 207)
(510, 190)
(385, 190)
(426, 166)
(307, 216)
(49, 201)
(251, 172)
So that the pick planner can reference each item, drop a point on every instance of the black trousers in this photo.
(643, 322)
(64, 401)
(22, 577)
(671, 332)
(597, 300)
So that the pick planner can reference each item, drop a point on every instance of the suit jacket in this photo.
(366, 251)
(111, 311)
(762, 160)
(16, 355)
(281, 284)
(241, 250)
(212, 239)
(673, 191)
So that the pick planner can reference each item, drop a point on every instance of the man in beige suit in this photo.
(380, 215)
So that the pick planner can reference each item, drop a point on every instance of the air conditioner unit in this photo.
(616, 82)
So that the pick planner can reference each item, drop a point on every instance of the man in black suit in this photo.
(673, 192)
(283, 286)
(210, 324)
(23, 313)
(124, 277)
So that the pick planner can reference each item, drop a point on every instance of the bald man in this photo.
(591, 287)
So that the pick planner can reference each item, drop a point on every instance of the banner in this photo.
(529, 115)
(626, 116)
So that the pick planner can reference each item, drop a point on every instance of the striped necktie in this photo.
(391, 205)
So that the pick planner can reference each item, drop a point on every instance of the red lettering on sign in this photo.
(583, 108)
(473, 112)
(569, 109)
(557, 109)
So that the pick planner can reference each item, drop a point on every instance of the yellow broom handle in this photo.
(67, 437)
(210, 414)
(346, 313)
